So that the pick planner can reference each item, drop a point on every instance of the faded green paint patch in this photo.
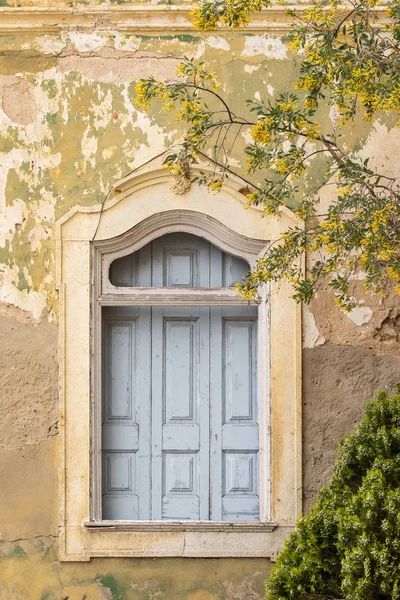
(22, 284)
(17, 552)
(51, 118)
(109, 581)
(49, 86)
(44, 545)
(11, 139)
(16, 186)
(49, 596)
(25, 61)
(11, 550)
(183, 37)
(5, 252)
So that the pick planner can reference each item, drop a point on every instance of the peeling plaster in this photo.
(44, 209)
(85, 42)
(78, 131)
(266, 45)
(334, 115)
(50, 44)
(200, 49)
(126, 43)
(112, 65)
(360, 315)
(311, 335)
(11, 217)
(17, 100)
(382, 149)
(89, 146)
(35, 236)
(102, 110)
(157, 136)
(30, 301)
(11, 209)
(251, 68)
(217, 42)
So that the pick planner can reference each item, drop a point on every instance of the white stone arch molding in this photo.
(171, 221)
(144, 207)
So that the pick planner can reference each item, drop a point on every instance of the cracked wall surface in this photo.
(68, 131)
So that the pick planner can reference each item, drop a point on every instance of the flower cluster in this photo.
(347, 61)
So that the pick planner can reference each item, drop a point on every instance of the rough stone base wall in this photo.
(337, 382)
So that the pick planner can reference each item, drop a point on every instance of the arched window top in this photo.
(179, 260)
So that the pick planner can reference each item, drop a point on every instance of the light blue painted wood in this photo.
(123, 271)
(180, 268)
(239, 436)
(119, 499)
(121, 437)
(126, 332)
(234, 410)
(240, 494)
(120, 430)
(233, 269)
(178, 260)
(216, 382)
(157, 391)
(176, 437)
(239, 399)
(204, 413)
(180, 370)
(120, 386)
(143, 383)
(180, 431)
(133, 269)
(180, 397)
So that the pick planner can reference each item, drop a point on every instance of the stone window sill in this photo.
(195, 526)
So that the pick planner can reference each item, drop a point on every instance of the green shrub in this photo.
(348, 547)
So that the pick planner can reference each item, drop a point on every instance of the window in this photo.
(180, 434)
(114, 323)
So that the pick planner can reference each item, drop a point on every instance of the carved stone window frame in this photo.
(142, 208)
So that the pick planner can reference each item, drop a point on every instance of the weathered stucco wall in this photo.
(68, 130)
(346, 359)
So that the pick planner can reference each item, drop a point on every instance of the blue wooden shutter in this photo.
(126, 414)
(180, 432)
(234, 410)
(180, 413)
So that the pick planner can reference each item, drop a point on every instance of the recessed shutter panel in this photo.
(180, 260)
(126, 444)
(234, 429)
(133, 269)
(180, 473)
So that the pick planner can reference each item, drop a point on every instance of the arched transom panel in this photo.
(178, 260)
(175, 249)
